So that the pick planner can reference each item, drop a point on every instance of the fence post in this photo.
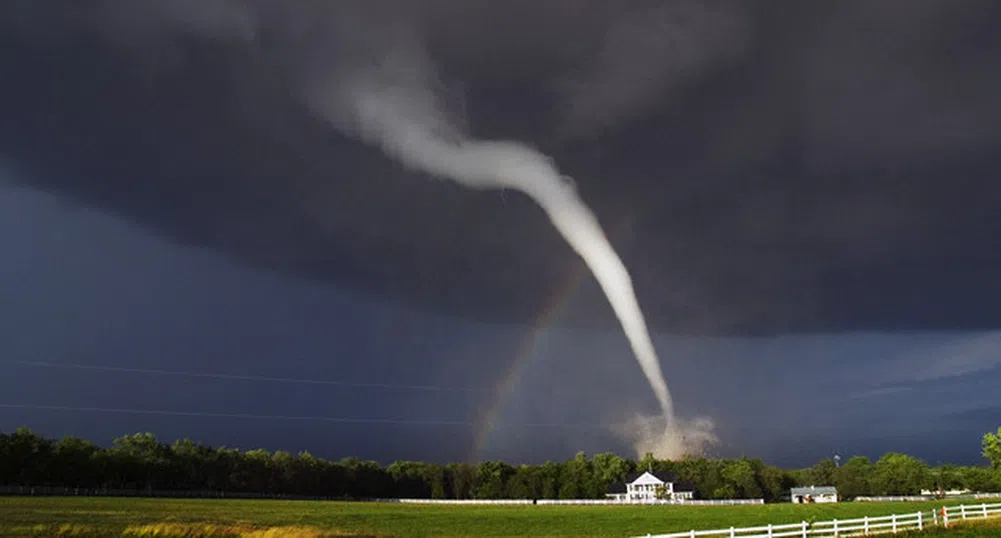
(835, 528)
(985, 510)
(693, 533)
(732, 531)
(920, 523)
(770, 531)
(865, 528)
(934, 517)
(804, 528)
(893, 520)
(962, 510)
(945, 517)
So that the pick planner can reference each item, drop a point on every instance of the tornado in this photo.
(394, 108)
(366, 71)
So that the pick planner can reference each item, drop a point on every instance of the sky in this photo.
(805, 198)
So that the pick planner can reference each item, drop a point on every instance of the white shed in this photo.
(814, 494)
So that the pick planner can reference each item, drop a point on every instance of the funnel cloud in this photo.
(392, 106)
(382, 91)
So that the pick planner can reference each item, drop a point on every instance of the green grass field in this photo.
(977, 529)
(39, 516)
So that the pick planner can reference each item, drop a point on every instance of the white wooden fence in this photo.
(853, 527)
(893, 498)
(690, 502)
(575, 501)
(458, 501)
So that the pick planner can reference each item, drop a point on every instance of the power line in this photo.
(317, 418)
(246, 377)
(210, 414)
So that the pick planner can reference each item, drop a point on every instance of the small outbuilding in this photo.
(814, 494)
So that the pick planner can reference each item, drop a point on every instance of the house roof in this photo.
(814, 490)
(661, 476)
(684, 486)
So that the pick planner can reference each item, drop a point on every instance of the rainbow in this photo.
(524, 357)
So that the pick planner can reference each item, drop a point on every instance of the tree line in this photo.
(142, 462)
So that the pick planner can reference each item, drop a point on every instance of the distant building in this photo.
(814, 494)
(650, 486)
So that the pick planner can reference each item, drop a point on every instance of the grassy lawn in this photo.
(39, 516)
(989, 529)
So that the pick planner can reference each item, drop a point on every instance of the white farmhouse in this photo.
(650, 486)
(814, 494)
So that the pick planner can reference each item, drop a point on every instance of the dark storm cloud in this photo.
(761, 166)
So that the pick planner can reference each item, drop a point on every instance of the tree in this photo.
(724, 492)
(608, 468)
(576, 478)
(992, 448)
(979, 479)
(367, 479)
(225, 463)
(852, 478)
(899, 474)
(945, 477)
(648, 463)
(188, 472)
(822, 474)
(774, 481)
(434, 476)
(461, 478)
(410, 479)
(491, 480)
(706, 476)
(254, 471)
(313, 476)
(524, 484)
(740, 477)
(26, 456)
(549, 480)
(73, 461)
(142, 459)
